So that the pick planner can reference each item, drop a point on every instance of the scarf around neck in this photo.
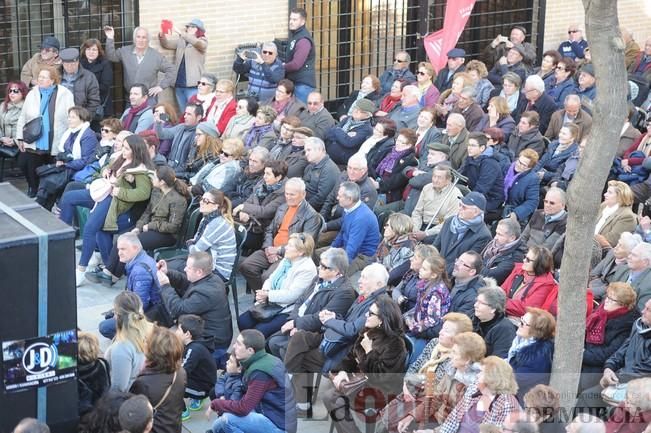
(460, 227)
(132, 114)
(385, 167)
(255, 133)
(595, 326)
(439, 355)
(264, 190)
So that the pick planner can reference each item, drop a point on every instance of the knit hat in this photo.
(365, 105)
(208, 128)
(475, 199)
(440, 147)
(50, 42)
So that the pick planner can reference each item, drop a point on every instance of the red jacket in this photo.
(621, 421)
(534, 295)
(228, 112)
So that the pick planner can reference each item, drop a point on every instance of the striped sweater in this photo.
(219, 237)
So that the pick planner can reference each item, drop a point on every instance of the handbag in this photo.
(265, 312)
(8, 151)
(614, 395)
(99, 111)
(167, 392)
(353, 385)
(33, 129)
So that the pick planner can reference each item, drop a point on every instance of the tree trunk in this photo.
(584, 194)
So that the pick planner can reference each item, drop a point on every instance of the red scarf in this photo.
(388, 103)
(126, 123)
(595, 326)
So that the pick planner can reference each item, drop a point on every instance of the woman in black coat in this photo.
(93, 59)
(607, 328)
(390, 179)
(368, 89)
(379, 353)
(259, 209)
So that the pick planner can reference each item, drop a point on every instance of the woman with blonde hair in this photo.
(223, 173)
(126, 355)
(498, 116)
(396, 247)
(615, 214)
(293, 276)
(163, 379)
(449, 98)
(478, 73)
(206, 150)
(490, 400)
(425, 77)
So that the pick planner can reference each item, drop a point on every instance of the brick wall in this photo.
(225, 29)
(633, 14)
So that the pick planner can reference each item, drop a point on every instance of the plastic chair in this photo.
(188, 228)
(240, 238)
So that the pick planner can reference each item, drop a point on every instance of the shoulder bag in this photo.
(33, 129)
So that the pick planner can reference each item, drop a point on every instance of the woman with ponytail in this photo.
(126, 354)
(158, 226)
(216, 232)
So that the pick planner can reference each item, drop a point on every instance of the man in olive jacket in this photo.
(199, 292)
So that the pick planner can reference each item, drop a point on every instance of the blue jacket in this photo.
(549, 162)
(523, 195)
(88, 144)
(532, 365)
(359, 234)
(341, 145)
(142, 279)
(390, 75)
(485, 176)
(559, 91)
(573, 50)
(230, 386)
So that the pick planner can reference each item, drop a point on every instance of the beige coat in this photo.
(32, 110)
(623, 220)
(32, 67)
(194, 50)
(583, 121)
(429, 202)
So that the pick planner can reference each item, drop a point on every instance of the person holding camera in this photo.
(264, 69)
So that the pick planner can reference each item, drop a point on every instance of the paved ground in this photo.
(94, 299)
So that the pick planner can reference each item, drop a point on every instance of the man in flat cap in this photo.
(456, 63)
(81, 82)
(501, 44)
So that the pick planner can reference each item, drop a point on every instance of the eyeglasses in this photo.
(267, 52)
(477, 301)
(560, 68)
(107, 130)
(613, 300)
(203, 83)
(206, 200)
(399, 61)
(370, 313)
(522, 322)
(191, 26)
(324, 267)
(14, 90)
(461, 263)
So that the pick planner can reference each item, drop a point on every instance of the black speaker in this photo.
(19, 307)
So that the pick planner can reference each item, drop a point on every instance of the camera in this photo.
(164, 117)
(249, 54)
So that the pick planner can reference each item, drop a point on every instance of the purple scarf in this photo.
(386, 165)
(252, 138)
(509, 180)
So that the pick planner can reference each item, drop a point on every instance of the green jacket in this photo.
(164, 213)
(135, 186)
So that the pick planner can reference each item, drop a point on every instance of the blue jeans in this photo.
(301, 91)
(183, 94)
(70, 200)
(246, 321)
(95, 237)
(253, 422)
(108, 328)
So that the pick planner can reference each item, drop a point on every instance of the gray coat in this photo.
(85, 90)
(319, 123)
(145, 72)
(182, 137)
(320, 179)
(306, 220)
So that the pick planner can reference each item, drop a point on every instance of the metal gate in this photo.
(24, 24)
(355, 38)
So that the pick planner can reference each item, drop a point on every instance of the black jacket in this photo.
(617, 331)
(450, 248)
(500, 266)
(92, 382)
(206, 298)
(377, 154)
(394, 183)
(498, 334)
(200, 368)
(306, 220)
(485, 176)
(153, 384)
(544, 106)
(532, 139)
(343, 109)
(337, 297)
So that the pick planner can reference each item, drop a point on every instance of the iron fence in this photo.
(24, 24)
(355, 38)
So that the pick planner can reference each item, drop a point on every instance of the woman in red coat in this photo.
(530, 282)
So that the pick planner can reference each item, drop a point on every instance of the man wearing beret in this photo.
(456, 63)
(81, 82)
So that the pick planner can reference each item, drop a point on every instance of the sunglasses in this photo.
(207, 200)
(267, 52)
(203, 83)
(107, 130)
(572, 31)
(399, 61)
(14, 90)
(421, 73)
(225, 154)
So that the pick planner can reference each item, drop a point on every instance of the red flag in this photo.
(437, 44)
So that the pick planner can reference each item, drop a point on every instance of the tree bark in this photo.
(584, 194)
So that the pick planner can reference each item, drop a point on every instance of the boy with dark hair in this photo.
(198, 362)
(136, 415)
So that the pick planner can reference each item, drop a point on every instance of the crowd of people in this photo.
(407, 248)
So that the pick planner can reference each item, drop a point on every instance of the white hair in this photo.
(535, 82)
(458, 119)
(412, 91)
(295, 182)
(359, 159)
(377, 272)
(316, 143)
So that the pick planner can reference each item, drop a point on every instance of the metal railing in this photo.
(24, 24)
